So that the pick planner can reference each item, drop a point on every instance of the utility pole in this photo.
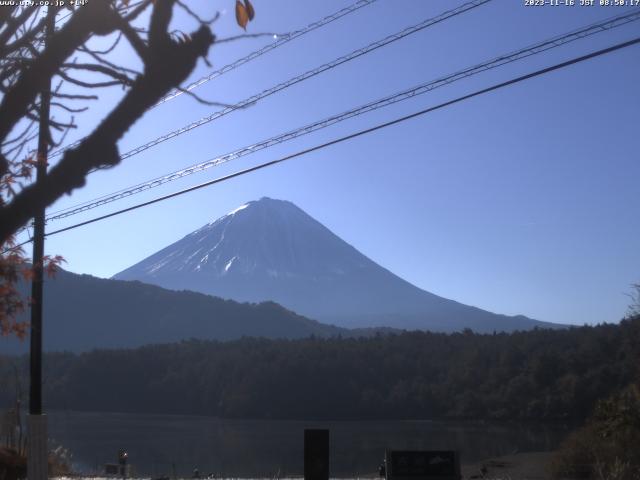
(37, 461)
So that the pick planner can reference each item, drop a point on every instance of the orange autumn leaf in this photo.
(242, 15)
(250, 11)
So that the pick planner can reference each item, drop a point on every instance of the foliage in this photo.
(13, 267)
(85, 312)
(606, 447)
(13, 464)
(551, 375)
(634, 306)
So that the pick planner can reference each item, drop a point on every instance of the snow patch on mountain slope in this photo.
(236, 210)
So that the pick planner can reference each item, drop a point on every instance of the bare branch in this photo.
(69, 109)
(167, 65)
(197, 17)
(17, 149)
(91, 67)
(63, 136)
(6, 13)
(246, 36)
(14, 23)
(82, 83)
(26, 39)
(74, 97)
(202, 100)
(60, 126)
(141, 7)
(108, 49)
(134, 39)
(20, 136)
(95, 17)
(107, 63)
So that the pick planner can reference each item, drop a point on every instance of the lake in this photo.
(164, 445)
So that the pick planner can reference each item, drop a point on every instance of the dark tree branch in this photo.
(134, 39)
(26, 39)
(60, 126)
(15, 150)
(5, 14)
(245, 36)
(63, 136)
(109, 49)
(168, 65)
(159, 26)
(69, 109)
(141, 7)
(34, 18)
(201, 100)
(107, 63)
(82, 83)
(95, 17)
(197, 17)
(14, 23)
(74, 97)
(20, 136)
(91, 67)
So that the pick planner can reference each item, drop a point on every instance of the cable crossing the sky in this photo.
(306, 75)
(359, 133)
(282, 39)
(522, 53)
(267, 48)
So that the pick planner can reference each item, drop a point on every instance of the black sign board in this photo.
(422, 464)
(316, 454)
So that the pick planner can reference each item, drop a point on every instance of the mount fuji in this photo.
(271, 250)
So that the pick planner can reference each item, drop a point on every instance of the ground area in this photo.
(519, 466)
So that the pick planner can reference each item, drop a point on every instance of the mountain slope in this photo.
(84, 312)
(272, 250)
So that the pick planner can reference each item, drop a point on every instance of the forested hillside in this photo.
(541, 374)
(84, 313)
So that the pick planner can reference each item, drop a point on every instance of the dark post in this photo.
(37, 459)
(35, 387)
(122, 461)
(316, 454)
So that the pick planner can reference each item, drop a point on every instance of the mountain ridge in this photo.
(82, 312)
(272, 250)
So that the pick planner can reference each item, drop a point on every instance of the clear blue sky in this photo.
(523, 201)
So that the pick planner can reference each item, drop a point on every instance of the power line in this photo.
(251, 56)
(306, 75)
(300, 153)
(267, 48)
(525, 52)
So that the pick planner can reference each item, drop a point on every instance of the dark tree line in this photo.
(540, 374)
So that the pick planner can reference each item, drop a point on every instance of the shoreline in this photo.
(518, 466)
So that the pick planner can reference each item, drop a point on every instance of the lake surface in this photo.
(164, 445)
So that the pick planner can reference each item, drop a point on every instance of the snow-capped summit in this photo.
(272, 250)
(271, 238)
